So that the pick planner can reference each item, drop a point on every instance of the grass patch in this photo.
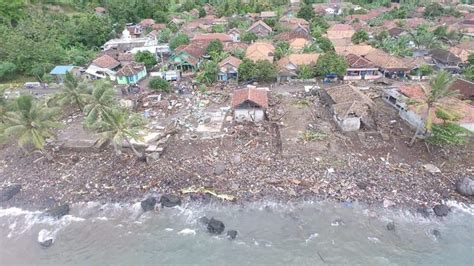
(309, 135)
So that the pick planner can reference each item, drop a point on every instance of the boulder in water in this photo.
(148, 204)
(391, 226)
(441, 210)
(8, 192)
(465, 187)
(436, 233)
(204, 220)
(231, 234)
(47, 243)
(215, 226)
(170, 200)
(58, 211)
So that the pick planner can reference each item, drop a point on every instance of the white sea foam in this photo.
(311, 237)
(187, 231)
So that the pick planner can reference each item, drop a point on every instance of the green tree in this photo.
(147, 58)
(423, 38)
(325, 44)
(360, 36)
(31, 122)
(330, 63)
(434, 96)
(202, 12)
(448, 134)
(209, 72)
(218, 28)
(118, 126)
(246, 70)
(426, 70)
(305, 72)
(159, 84)
(161, 17)
(101, 102)
(248, 37)
(7, 70)
(321, 23)
(11, 11)
(178, 40)
(282, 49)
(433, 10)
(306, 12)
(470, 59)
(265, 71)
(164, 35)
(215, 47)
(74, 93)
(469, 73)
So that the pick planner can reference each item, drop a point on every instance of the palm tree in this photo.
(439, 91)
(118, 126)
(100, 103)
(75, 93)
(31, 122)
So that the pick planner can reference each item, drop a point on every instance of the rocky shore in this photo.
(241, 168)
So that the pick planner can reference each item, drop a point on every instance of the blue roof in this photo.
(60, 70)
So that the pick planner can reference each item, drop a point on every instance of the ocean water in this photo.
(306, 233)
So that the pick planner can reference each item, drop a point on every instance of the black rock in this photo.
(8, 192)
(215, 226)
(148, 204)
(424, 212)
(204, 220)
(436, 233)
(47, 243)
(391, 226)
(170, 201)
(231, 234)
(465, 187)
(441, 210)
(58, 211)
(362, 184)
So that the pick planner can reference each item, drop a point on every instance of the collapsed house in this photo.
(249, 104)
(351, 109)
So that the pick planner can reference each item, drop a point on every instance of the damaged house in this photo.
(249, 104)
(351, 109)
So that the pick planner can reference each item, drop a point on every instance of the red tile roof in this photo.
(196, 49)
(465, 88)
(212, 36)
(232, 60)
(356, 61)
(253, 95)
(106, 61)
(130, 69)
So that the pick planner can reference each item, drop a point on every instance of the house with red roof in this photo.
(249, 104)
(260, 28)
(360, 68)
(228, 68)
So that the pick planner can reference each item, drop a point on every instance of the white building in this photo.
(249, 104)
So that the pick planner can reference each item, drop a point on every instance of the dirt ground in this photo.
(254, 162)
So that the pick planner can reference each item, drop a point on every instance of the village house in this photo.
(228, 69)
(146, 23)
(340, 34)
(249, 104)
(212, 36)
(125, 58)
(234, 33)
(390, 66)
(400, 98)
(290, 35)
(260, 50)
(357, 49)
(104, 66)
(260, 28)
(297, 45)
(131, 74)
(59, 72)
(288, 66)
(134, 31)
(100, 11)
(126, 42)
(465, 88)
(351, 109)
(360, 68)
(445, 60)
(268, 14)
(188, 57)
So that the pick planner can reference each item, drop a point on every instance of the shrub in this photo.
(159, 84)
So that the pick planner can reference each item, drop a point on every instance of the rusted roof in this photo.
(256, 96)
(355, 61)
(444, 56)
(289, 35)
(465, 88)
(106, 61)
(232, 60)
(396, 31)
(212, 36)
(130, 69)
(413, 91)
(261, 23)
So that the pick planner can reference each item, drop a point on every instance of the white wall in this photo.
(255, 115)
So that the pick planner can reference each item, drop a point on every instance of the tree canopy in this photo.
(331, 63)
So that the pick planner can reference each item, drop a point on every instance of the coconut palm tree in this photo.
(75, 92)
(118, 126)
(101, 102)
(439, 90)
(31, 122)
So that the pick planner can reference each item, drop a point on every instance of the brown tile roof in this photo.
(231, 46)
(359, 49)
(212, 36)
(263, 24)
(385, 60)
(444, 56)
(253, 95)
(413, 91)
(463, 54)
(127, 57)
(288, 35)
(260, 51)
(298, 44)
(396, 31)
(355, 61)
(106, 61)
(196, 48)
(340, 31)
(303, 59)
(232, 60)
(130, 69)
(148, 22)
(158, 26)
(293, 20)
(465, 88)
(348, 101)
